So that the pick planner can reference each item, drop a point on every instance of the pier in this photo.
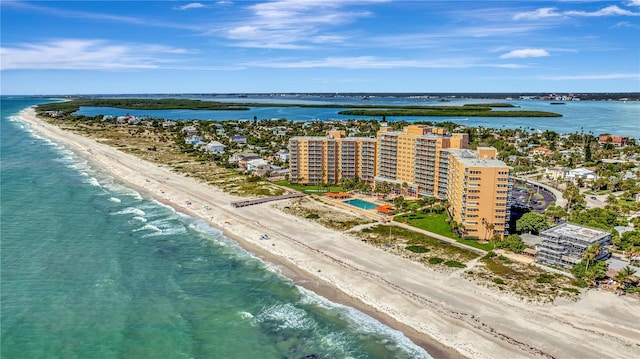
(252, 202)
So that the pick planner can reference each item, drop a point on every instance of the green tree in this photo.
(532, 222)
(596, 217)
(574, 198)
(555, 213)
(513, 243)
(587, 150)
(591, 253)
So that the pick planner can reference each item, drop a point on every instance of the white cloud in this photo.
(295, 24)
(524, 53)
(544, 12)
(613, 76)
(374, 62)
(76, 54)
(193, 5)
(626, 24)
(633, 3)
(549, 12)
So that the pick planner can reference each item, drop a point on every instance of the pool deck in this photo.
(374, 215)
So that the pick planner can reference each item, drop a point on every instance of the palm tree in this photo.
(625, 274)
(633, 252)
(590, 254)
(489, 227)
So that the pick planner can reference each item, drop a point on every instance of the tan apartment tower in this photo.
(328, 159)
(479, 192)
(416, 158)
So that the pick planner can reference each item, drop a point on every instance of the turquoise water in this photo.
(90, 269)
(361, 204)
(622, 118)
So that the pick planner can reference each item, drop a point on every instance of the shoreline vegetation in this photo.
(446, 300)
(467, 110)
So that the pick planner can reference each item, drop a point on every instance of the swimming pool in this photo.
(361, 204)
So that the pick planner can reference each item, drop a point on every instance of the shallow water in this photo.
(90, 269)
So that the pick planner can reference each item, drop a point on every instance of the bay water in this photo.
(589, 117)
(90, 269)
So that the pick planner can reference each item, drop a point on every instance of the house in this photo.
(127, 120)
(617, 141)
(585, 174)
(167, 124)
(239, 139)
(283, 155)
(540, 151)
(243, 157)
(195, 141)
(215, 147)
(190, 130)
(258, 166)
(555, 172)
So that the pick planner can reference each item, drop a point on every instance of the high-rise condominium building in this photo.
(420, 161)
(330, 158)
(479, 192)
(416, 158)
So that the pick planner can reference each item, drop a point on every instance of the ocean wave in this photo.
(286, 316)
(93, 181)
(115, 199)
(140, 218)
(131, 210)
(148, 227)
(166, 228)
(366, 325)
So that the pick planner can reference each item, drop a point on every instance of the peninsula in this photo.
(444, 311)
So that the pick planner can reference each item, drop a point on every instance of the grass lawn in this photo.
(437, 223)
(432, 222)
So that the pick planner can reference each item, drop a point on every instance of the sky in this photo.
(336, 46)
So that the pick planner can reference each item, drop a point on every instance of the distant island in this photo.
(467, 110)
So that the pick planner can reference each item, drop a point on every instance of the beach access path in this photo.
(440, 311)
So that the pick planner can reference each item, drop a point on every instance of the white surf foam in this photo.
(286, 316)
(362, 323)
(131, 210)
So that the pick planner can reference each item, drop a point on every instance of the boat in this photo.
(558, 103)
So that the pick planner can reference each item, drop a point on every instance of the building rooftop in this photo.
(470, 158)
(586, 234)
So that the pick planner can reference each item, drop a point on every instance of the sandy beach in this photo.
(446, 314)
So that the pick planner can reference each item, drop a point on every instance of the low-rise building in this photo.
(215, 147)
(239, 139)
(584, 174)
(617, 141)
(564, 245)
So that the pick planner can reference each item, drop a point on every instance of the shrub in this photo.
(435, 260)
(571, 290)
(418, 249)
(455, 264)
(580, 283)
(545, 278)
(313, 216)
(498, 281)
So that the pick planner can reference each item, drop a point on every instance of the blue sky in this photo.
(90, 47)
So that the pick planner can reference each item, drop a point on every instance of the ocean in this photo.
(90, 269)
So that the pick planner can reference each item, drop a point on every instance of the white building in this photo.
(585, 174)
(215, 147)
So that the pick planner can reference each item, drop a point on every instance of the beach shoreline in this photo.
(430, 308)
